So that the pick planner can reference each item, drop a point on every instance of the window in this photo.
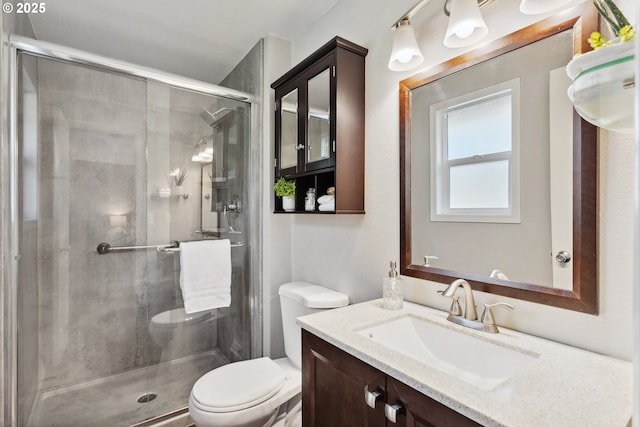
(474, 156)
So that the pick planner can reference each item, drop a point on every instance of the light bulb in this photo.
(404, 56)
(464, 31)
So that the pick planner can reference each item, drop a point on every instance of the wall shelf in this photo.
(602, 89)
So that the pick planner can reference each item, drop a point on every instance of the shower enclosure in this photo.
(105, 153)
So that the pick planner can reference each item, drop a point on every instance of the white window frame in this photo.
(440, 165)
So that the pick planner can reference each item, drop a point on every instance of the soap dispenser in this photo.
(392, 289)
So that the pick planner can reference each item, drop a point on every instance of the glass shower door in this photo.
(82, 317)
(102, 339)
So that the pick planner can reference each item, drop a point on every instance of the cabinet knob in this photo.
(392, 411)
(563, 257)
(300, 147)
(371, 397)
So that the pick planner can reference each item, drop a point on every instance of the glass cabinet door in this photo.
(318, 123)
(289, 130)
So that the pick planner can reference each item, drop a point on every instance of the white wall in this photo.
(351, 253)
(276, 228)
(636, 281)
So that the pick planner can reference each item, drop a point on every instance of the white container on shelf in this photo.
(288, 204)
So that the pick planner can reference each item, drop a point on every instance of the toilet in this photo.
(263, 392)
(176, 331)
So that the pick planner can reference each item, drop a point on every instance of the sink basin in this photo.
(479, 362)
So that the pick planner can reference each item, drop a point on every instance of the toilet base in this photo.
(289, 414)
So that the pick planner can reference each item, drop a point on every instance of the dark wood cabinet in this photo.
(335, 387)
(319, 126)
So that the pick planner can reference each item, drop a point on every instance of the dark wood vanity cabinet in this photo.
(334, 384)
(319, 126)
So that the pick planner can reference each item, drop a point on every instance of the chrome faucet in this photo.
(470, 318)
(470, 312)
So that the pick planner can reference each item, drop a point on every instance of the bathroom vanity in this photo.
(366, 366)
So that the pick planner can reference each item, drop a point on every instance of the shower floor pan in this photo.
(114, 401)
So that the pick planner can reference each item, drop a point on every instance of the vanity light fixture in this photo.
(405, 53)
(466, 25)
(203, 151)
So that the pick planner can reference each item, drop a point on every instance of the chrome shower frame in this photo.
(9, 191)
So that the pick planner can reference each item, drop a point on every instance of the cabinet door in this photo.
(420, 410)
(334, 385)
(288, 130)
(320, 122)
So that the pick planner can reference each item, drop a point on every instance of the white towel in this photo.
(331, 206)
(327, 198)
(205, 274)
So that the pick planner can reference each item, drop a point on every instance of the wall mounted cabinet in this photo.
(340, 390)
(319, 126)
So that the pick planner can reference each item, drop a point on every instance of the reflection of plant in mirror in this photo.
(285, 188)
(179, 176)
(616, 20)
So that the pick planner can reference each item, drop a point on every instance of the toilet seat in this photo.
(247, 383)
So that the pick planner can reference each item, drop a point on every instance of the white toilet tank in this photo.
(299, 299)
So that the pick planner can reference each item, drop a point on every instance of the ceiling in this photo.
(201, 39)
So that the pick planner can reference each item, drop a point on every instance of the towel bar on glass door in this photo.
(171, 250)
(174, 246)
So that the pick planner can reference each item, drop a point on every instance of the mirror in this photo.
(491, 149)
(221, 192)
(318, 117)
(289, 137)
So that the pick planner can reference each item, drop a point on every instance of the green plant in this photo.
(180, 176)
(616, 20)
(285, 188)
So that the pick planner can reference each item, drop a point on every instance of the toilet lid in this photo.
(238, 385)
(178, 316)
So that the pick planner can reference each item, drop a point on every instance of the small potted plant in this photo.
(286, 190)
(179, 177)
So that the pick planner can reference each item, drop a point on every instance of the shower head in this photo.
(214, 119)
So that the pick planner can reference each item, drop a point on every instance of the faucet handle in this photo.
(487, 315)
(455, 309)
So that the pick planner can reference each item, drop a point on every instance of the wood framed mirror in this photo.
(424, 93)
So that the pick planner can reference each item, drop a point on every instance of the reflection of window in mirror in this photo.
(318, 117)
(474, 156)
(319, 135)
(289, 137)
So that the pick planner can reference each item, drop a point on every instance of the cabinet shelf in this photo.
(602, 89)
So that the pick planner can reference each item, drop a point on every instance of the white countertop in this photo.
(565, 386)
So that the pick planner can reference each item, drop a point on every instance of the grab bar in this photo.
(174, 246)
